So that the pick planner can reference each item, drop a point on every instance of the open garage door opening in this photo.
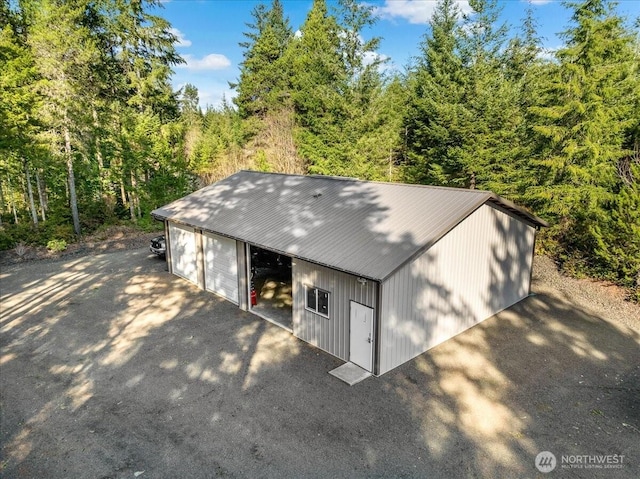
(270, 286)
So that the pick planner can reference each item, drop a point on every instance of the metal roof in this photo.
(369, 229)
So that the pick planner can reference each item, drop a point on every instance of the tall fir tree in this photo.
(318, 72)
(490, 98)
(583, 127)
(464, 117)
(436, 117)
(262, 85)
(19, 104)
(65, 54)
(524, 67)
(369, 135)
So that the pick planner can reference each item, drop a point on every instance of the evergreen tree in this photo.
(335, 87)
(19, 103)
(583, 130)
(490, 98)
(377, 150)
(435, 124)
(189, 100)
(65, 54)
(142, 48)
(217, 153)
(464, 119)
(359, 55)
(263, 75)
(368, 135)
(138, 54)
(18, 98)
(318, 72)
(191, 119)
(523, 51)
(524, 70)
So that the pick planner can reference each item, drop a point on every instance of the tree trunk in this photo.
(41, 196)
(123, 193)
(73, 200)
(13, 203)
(101, 172)
(134, 195)
(132, 206)
(32, 203)
(1, 203)
(131, 196)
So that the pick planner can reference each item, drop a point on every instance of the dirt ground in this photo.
(112, 368)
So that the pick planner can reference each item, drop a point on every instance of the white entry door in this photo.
(361, 339)
(221, 266)
(182, 241)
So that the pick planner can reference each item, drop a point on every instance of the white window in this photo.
(317, 301)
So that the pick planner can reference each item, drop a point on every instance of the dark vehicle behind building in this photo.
(158, 246)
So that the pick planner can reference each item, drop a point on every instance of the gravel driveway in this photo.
(113, 368)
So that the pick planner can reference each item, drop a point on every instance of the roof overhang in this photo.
(517, 211)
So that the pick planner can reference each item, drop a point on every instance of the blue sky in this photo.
(210, 30)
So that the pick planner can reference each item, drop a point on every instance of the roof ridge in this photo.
(375, 182)
(488, 195)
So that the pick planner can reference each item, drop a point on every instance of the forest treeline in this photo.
(91, 132)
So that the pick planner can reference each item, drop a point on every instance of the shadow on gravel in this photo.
(542, 375)
(111, 366)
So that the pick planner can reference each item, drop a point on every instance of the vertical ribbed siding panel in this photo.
(331, 335)
(167, 243)
(184, 260)
(243, 288)
(200, 263)
(220, 265)
(480, 268)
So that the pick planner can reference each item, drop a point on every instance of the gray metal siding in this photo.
(243, 288)
(200, 263)
(331, 335)
(478, 269)
(167, 242)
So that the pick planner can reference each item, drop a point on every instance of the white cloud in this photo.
(371, 57)
(549, 53)
(414, 11)
(213, 98)
(211, 90)
(181, 40)
(539, 2)
(213, 61)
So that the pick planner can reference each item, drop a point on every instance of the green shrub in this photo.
(6, 239)
(63, 232)
(261, 163)
(57, 245)
(149, 225)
